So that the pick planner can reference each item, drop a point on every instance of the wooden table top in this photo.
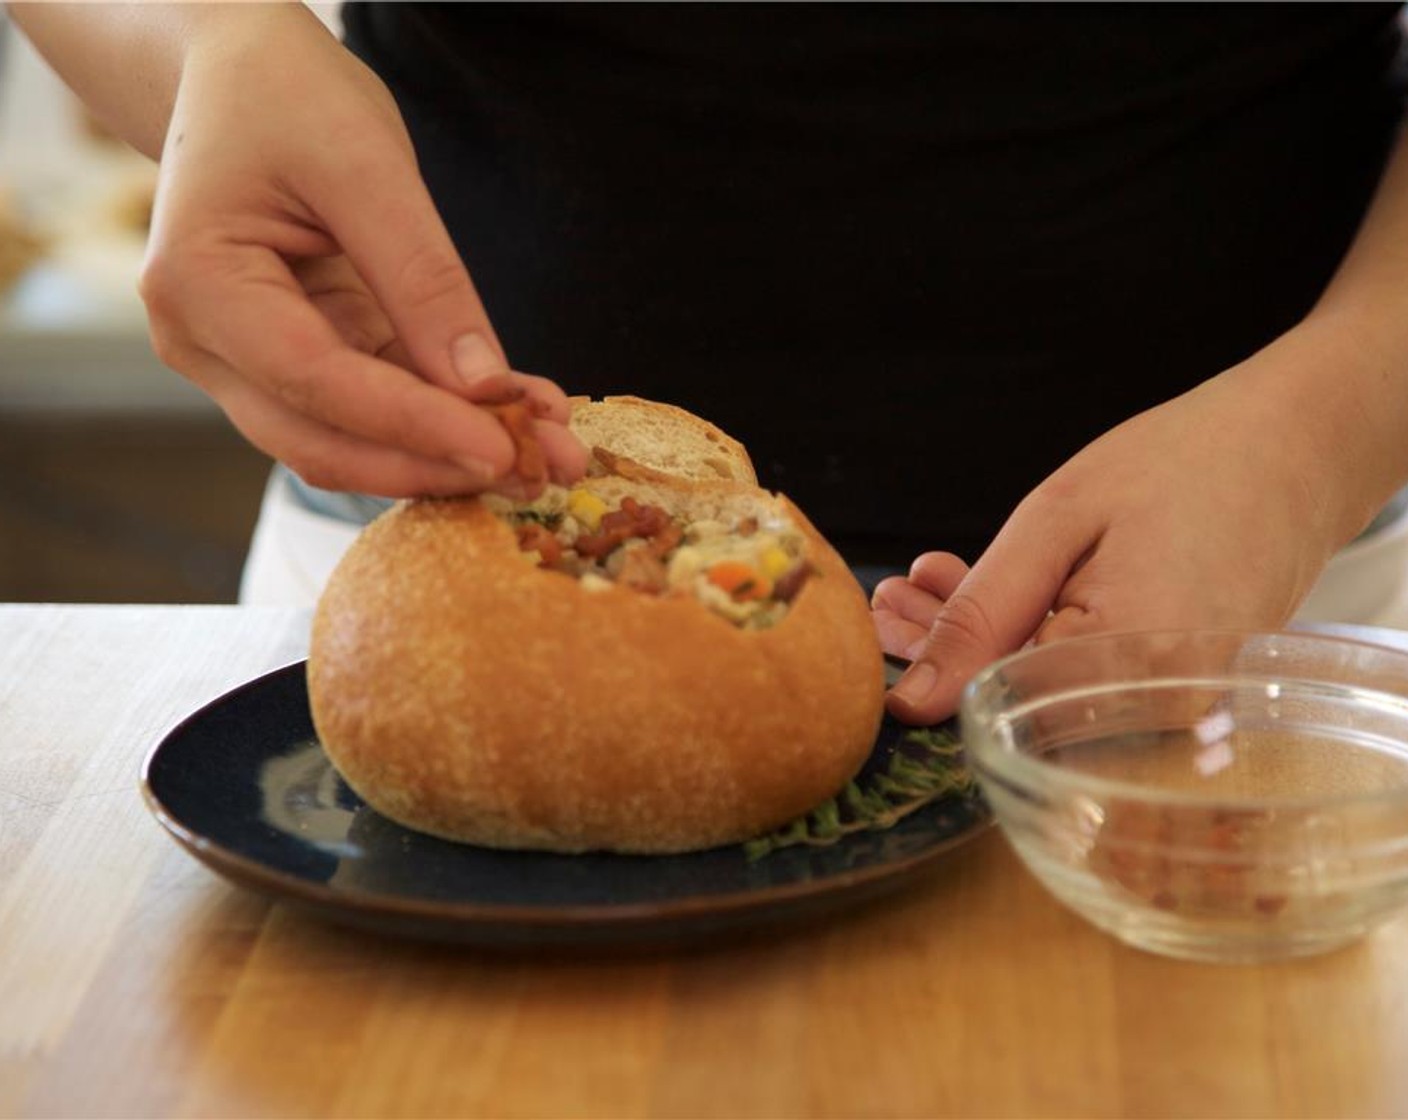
(135, 982)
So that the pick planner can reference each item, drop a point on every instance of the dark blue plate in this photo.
(245, 787)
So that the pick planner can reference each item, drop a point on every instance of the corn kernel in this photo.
(774, 561)
(586, 507)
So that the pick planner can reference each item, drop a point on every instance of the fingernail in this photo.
(914, 687)
(482, 471)
(518, 491)
(475, 360)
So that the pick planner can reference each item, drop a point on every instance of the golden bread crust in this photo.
(464, 692)
(650, 440)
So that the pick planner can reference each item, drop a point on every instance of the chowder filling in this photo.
(746, 570)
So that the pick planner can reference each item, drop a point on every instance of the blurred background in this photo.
(119, 481)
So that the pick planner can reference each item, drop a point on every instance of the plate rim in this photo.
(256, 873)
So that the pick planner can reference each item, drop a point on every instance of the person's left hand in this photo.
(1208, 511)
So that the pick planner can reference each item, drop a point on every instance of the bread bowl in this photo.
(468, 686)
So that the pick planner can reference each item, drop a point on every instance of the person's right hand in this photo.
(297, 271)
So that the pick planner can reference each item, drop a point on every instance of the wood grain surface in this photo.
(134, 982)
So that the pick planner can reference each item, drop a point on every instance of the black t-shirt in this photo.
(914, 256)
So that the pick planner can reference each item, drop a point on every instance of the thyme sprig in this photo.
(925, 766)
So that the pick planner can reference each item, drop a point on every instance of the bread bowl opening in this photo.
(738, 554)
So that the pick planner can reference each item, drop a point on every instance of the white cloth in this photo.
(293, 551)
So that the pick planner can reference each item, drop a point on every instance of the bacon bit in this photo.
(1132, 848)
(619, 526)
(605, 540)
(530, 463)
(646, 520)
(748, 526)
(666, 540)
(790, 582)
(533, 536)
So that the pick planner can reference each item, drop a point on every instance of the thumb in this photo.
(993, 611)
(386, 222)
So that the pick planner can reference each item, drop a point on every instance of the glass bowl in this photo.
(1210, 795)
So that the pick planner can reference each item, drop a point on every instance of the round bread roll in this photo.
(465, 691)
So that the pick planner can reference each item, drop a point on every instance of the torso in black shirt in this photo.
(913, 256)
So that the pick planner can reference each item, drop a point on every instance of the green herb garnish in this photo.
(541, 516)
(925, 766)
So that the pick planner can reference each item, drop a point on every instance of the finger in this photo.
(323, 456)
(887, 588)
(897, 634)
(545, 400)
(344, 299)
(566, 463)
(914, 605)
(488, 380)
(546, 397)
(938, 572)
(1069, 622)
(361, 324)
(339, 294)
(390, 229)
(264, 327)
(567, 456)
(994, 609)
(484, 374)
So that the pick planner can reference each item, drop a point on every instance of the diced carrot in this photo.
(743, 582)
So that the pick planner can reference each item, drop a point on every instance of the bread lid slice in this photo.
(639, 439)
